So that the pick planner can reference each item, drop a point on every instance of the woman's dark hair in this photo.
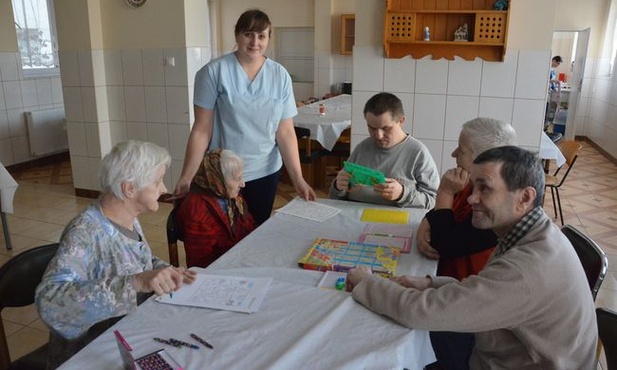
(253, 20)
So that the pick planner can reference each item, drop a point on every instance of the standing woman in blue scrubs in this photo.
(244, 102)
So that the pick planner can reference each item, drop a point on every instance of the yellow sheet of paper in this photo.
(384, 216)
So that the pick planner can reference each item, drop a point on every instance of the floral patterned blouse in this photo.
(90, 278)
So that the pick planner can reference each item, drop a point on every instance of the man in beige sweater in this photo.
(531, 306)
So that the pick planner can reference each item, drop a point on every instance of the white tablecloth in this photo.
(8, 186)
(327, 128)
(298, 326)
(548, 150)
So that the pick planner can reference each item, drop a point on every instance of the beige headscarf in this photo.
(209, 177)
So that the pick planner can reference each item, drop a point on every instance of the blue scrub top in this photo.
(246, 113)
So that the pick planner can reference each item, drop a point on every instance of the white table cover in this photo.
(8, 186)
(548, 150)
(299, 326)
(327, 128)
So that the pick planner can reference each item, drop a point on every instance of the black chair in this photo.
(607, 331)
(593, 259)
(173, 236)
(19, 278)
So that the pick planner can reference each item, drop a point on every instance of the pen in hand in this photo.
(201, 340)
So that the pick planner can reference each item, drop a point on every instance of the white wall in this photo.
(19, 95)
(597, 113)
(439, 95)
(119, 84)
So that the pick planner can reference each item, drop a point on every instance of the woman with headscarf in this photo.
(213, 217)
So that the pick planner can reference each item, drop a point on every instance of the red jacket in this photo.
(205, 229)
(463, 249)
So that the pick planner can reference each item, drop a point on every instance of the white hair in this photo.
(132, 161)
(231, 163)
(487, 133)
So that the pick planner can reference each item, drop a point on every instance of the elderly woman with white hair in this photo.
(104, 266)
(446, 232)
(213, 217)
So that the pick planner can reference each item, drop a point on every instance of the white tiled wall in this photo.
(440, 95)
(331, 70)
(19, 95)
(597, 113)
(116, 95)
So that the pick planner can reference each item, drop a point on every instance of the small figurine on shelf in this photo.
(427, 34)
(462, 33)
(501, 5)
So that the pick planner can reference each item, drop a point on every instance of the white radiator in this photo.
(47, 131)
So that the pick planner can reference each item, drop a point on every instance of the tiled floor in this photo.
(44, 203)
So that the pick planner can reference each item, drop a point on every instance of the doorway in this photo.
(564, 102)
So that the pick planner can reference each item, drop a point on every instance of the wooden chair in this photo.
(593, 259)
(607, 331)
(19, 278)
(570, 149)
(341, 151)
(310, 153)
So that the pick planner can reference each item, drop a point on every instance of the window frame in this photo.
(41, 72)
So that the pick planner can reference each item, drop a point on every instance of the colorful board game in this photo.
(339, 255)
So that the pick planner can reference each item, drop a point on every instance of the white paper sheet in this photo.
(8, 186)
(309, 210)
(329, 278)
(229, 293)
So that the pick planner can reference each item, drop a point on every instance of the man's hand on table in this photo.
(355, 275)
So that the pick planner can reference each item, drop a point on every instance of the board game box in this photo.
(340, 255)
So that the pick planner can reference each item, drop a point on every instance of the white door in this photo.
(578, 70)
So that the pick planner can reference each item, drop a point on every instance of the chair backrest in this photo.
(569, 149)
(593, 259)
(19, 278)
(607, 330)
(173, 235)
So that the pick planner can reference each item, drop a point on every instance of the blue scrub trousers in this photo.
(259, 195)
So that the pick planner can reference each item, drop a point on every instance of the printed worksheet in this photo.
(230, 293)
(309, 210)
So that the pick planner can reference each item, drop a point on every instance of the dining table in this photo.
(550, 151)
(298, 326)
(326, 119)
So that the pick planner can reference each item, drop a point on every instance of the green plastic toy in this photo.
(361, 175)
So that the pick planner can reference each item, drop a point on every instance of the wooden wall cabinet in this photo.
(405, 21)
(348, 30)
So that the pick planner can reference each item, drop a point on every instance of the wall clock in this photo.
(135, 3)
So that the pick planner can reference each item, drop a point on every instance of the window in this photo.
(36, 37)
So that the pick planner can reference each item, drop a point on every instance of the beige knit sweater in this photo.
(530, 308)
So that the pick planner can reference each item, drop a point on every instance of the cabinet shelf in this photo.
(348, 25)
(405, 21)
(433, 11)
